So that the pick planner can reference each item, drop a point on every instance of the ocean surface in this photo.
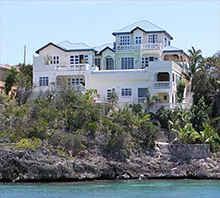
(107, 189)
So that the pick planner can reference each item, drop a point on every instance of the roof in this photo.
(73, 46)
(102, 48)
(68, 46)
(144, 25)
(171, 49)
(5, 67)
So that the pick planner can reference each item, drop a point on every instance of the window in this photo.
(54, 60)
(86, 58)
(98, 63)
(165, 41)
(43, 81)
(152, 38)
(155, 38)
(109, 92)
(74, 59)
(126, 92)
(138, 39)
(165, 97)
(151, 58)
(109, 63)
(127, 63)
(75, 81)
(145, 60)
(124, 40)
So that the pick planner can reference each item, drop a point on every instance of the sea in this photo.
(114, 189)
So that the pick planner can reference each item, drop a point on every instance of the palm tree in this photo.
(195, 59)
(150, 101)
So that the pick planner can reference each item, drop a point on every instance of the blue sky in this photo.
(35, 23)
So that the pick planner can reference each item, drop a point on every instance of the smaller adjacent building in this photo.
(3, 71)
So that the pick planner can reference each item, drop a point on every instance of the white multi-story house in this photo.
(141, 59)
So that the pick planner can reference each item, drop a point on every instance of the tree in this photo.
(202, 87)
(195, 59)
(24, 83)
(180, 90)
(150, 101)
(10, 79)
(199, 117)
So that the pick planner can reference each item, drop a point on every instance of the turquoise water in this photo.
(124, 189)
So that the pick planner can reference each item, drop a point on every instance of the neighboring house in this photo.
(140, 59)
(3, 71)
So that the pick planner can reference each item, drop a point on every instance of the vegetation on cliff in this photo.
(69, 122)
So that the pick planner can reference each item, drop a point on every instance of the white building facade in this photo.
(140, 60)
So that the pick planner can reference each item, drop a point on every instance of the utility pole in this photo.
(25, 55)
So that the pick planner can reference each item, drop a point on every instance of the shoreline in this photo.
(104, 181)
(42, 166)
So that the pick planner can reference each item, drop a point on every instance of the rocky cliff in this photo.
(43, 165)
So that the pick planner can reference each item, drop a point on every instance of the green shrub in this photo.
(137, 109)
(73, 143)
(91, 127)
(147, 133)
(25, 143)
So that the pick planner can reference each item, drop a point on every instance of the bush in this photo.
(27, 143)
(73, 143)
(137, 109)
(148, 133)
(91, 128)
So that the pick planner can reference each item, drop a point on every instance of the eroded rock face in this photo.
(42, 165)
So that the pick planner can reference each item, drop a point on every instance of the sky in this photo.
(36, 23)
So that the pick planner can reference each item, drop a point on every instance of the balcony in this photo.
(125, 48)
(157, 106)
(163, 85)
(152, 46)
(146, 46)
(76, 67)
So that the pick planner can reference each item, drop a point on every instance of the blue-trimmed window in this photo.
(126, 92)
(127, 63)
(43, 81)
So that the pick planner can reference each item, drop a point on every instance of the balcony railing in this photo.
(122, 48)
(151, 46)
(157, 106)
(75, 67)
(162, 85)
(141, 99)
(146, 46)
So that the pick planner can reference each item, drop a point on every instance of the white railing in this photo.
(122, 48)
(75, 67)
(141, 99)
(146, 46)
(157, 106)
(152, 46)
(162, 85)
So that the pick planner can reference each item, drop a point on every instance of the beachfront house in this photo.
(140, 60)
